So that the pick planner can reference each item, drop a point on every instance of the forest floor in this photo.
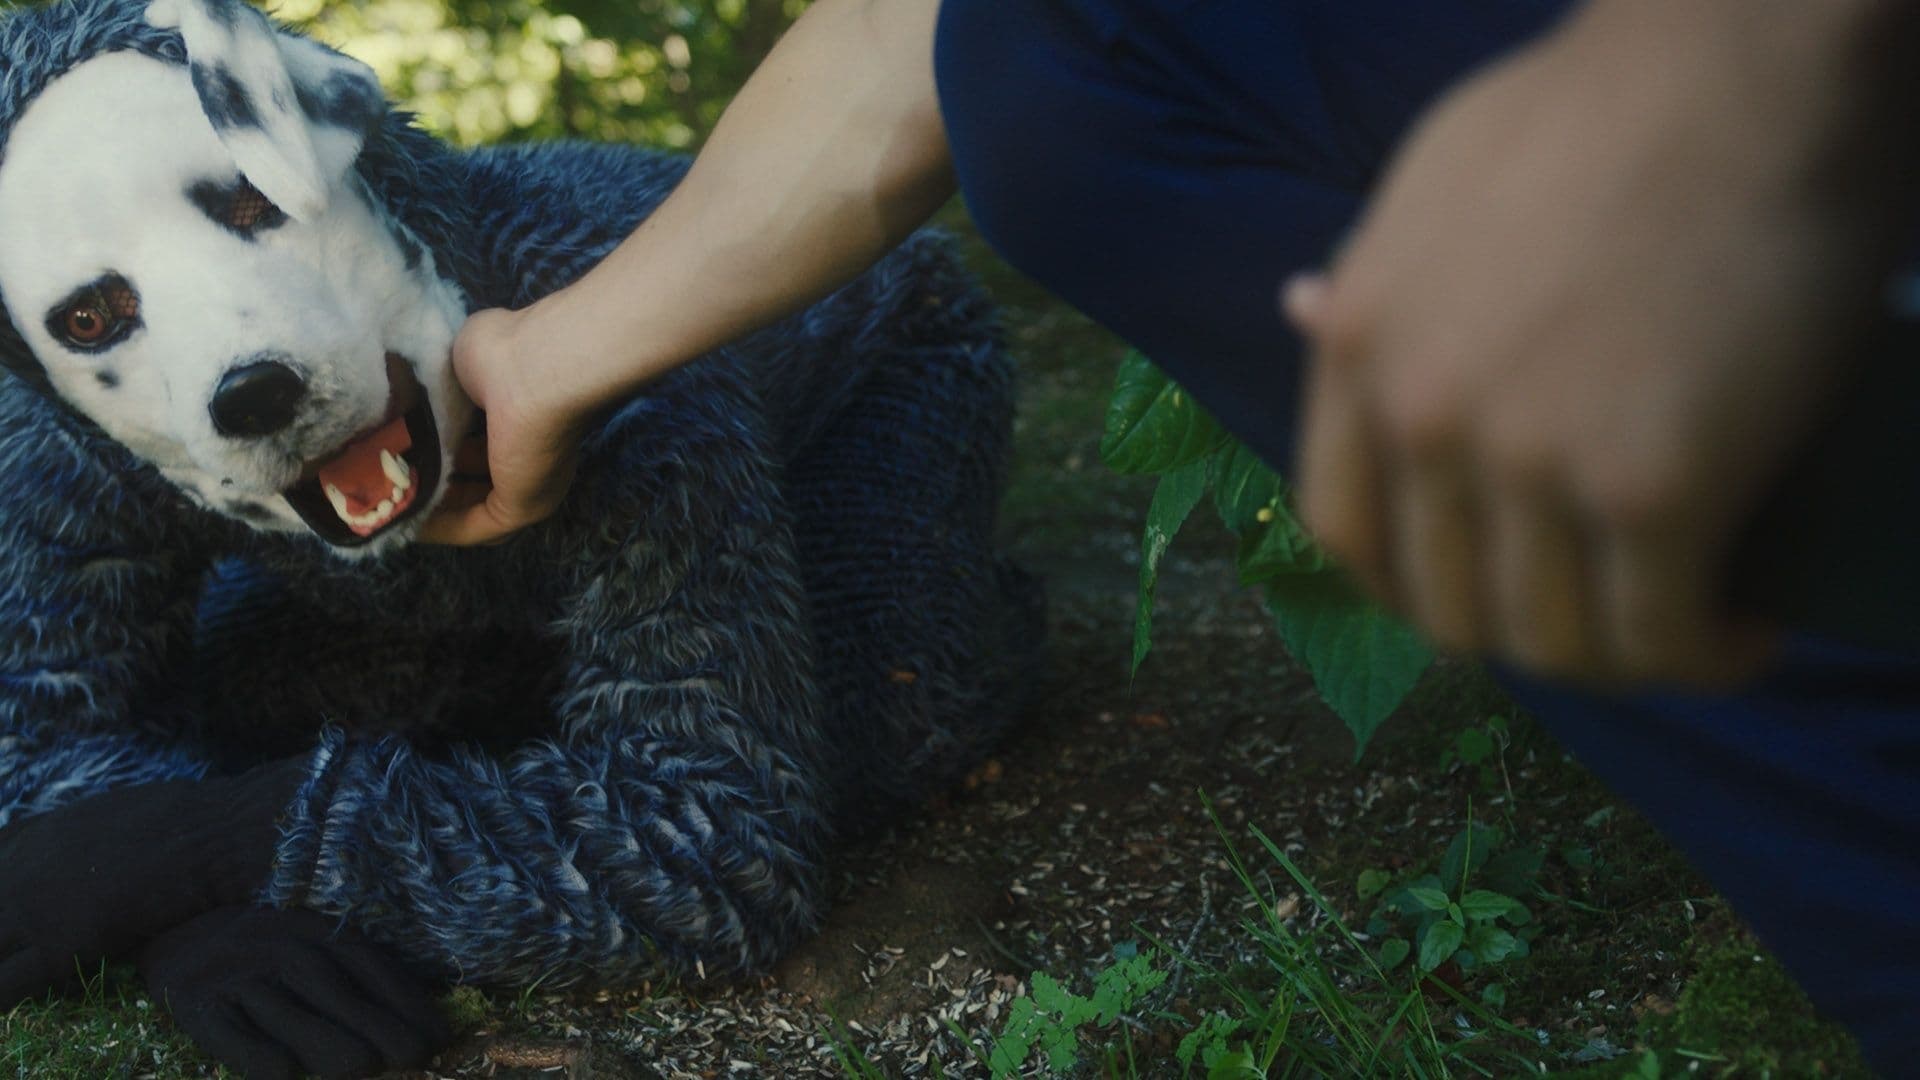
(1087, 840)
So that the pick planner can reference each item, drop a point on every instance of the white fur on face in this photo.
(95, 182)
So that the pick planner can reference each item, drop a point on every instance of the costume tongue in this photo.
(357, 470)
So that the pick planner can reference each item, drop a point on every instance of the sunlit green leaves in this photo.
(656, 72)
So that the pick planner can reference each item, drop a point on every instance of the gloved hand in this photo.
(276, 993)
(94, 879)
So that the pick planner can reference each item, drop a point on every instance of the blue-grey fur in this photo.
(769, 611)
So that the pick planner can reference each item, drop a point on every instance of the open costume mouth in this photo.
(381, 476)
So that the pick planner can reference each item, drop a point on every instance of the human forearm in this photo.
(829, 156)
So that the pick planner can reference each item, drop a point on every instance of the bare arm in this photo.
(830, 155)
(1606, 287)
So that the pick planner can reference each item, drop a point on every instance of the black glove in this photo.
(94, 879)
(278, 993)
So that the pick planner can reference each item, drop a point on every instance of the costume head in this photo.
(190, 262)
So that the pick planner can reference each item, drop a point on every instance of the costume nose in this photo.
(259, 398)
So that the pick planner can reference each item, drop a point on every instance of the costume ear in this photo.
(292, 112)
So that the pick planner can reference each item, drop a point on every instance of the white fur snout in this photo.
(146, 271)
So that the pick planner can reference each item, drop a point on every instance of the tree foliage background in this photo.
(650, 71)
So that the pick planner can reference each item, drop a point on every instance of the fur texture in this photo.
(768, 613)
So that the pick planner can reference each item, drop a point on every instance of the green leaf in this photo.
(1243, 486)
(1210, 1037)
(1122, 985)
(1514, 871)
(1431, 899)
(1393, 951)
(1372, 883)
(1485, 904)
(1236, 1065)
(1277, 547)
(1490, 944)
(1467, 853)
(1048, 994)
(1362, 660)
(1179, 492)
(1441, 941)
(1473, 746)
(1153, 426)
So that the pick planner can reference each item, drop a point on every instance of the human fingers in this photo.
(1539, 573)
(1660, 616)
(470, 520)
(1340, 488)
(1439, 565)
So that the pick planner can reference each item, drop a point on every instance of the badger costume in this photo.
(767, 614)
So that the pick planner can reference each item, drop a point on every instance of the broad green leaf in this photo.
(1276, 547)
(1490, 944)
(1179, 492)
(1467, 853)
(1431, 899)
(1243, 486)
(1442, 940)
(1362, 659)
(1513, 871)
(1154, 426)
(1393, 951)
(1486, 904)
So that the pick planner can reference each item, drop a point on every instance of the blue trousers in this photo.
(1164, 164)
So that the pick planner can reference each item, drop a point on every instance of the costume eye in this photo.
(87, 324)
(250, 211)
(237, 206)
(97, 315)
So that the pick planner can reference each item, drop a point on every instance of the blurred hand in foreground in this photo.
(1603, 290)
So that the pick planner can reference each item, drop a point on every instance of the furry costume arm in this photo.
(96, 600)
(673, 817)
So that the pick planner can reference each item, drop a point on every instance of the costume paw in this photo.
(275, 994)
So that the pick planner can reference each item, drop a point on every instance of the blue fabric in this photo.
(1165, 164)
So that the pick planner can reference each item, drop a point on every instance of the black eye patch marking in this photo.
(223, 98)
(343, 100)
(96, 316)
(237, 206)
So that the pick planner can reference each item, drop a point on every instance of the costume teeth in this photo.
(373, 518)
(339, 500)
(397, 471)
